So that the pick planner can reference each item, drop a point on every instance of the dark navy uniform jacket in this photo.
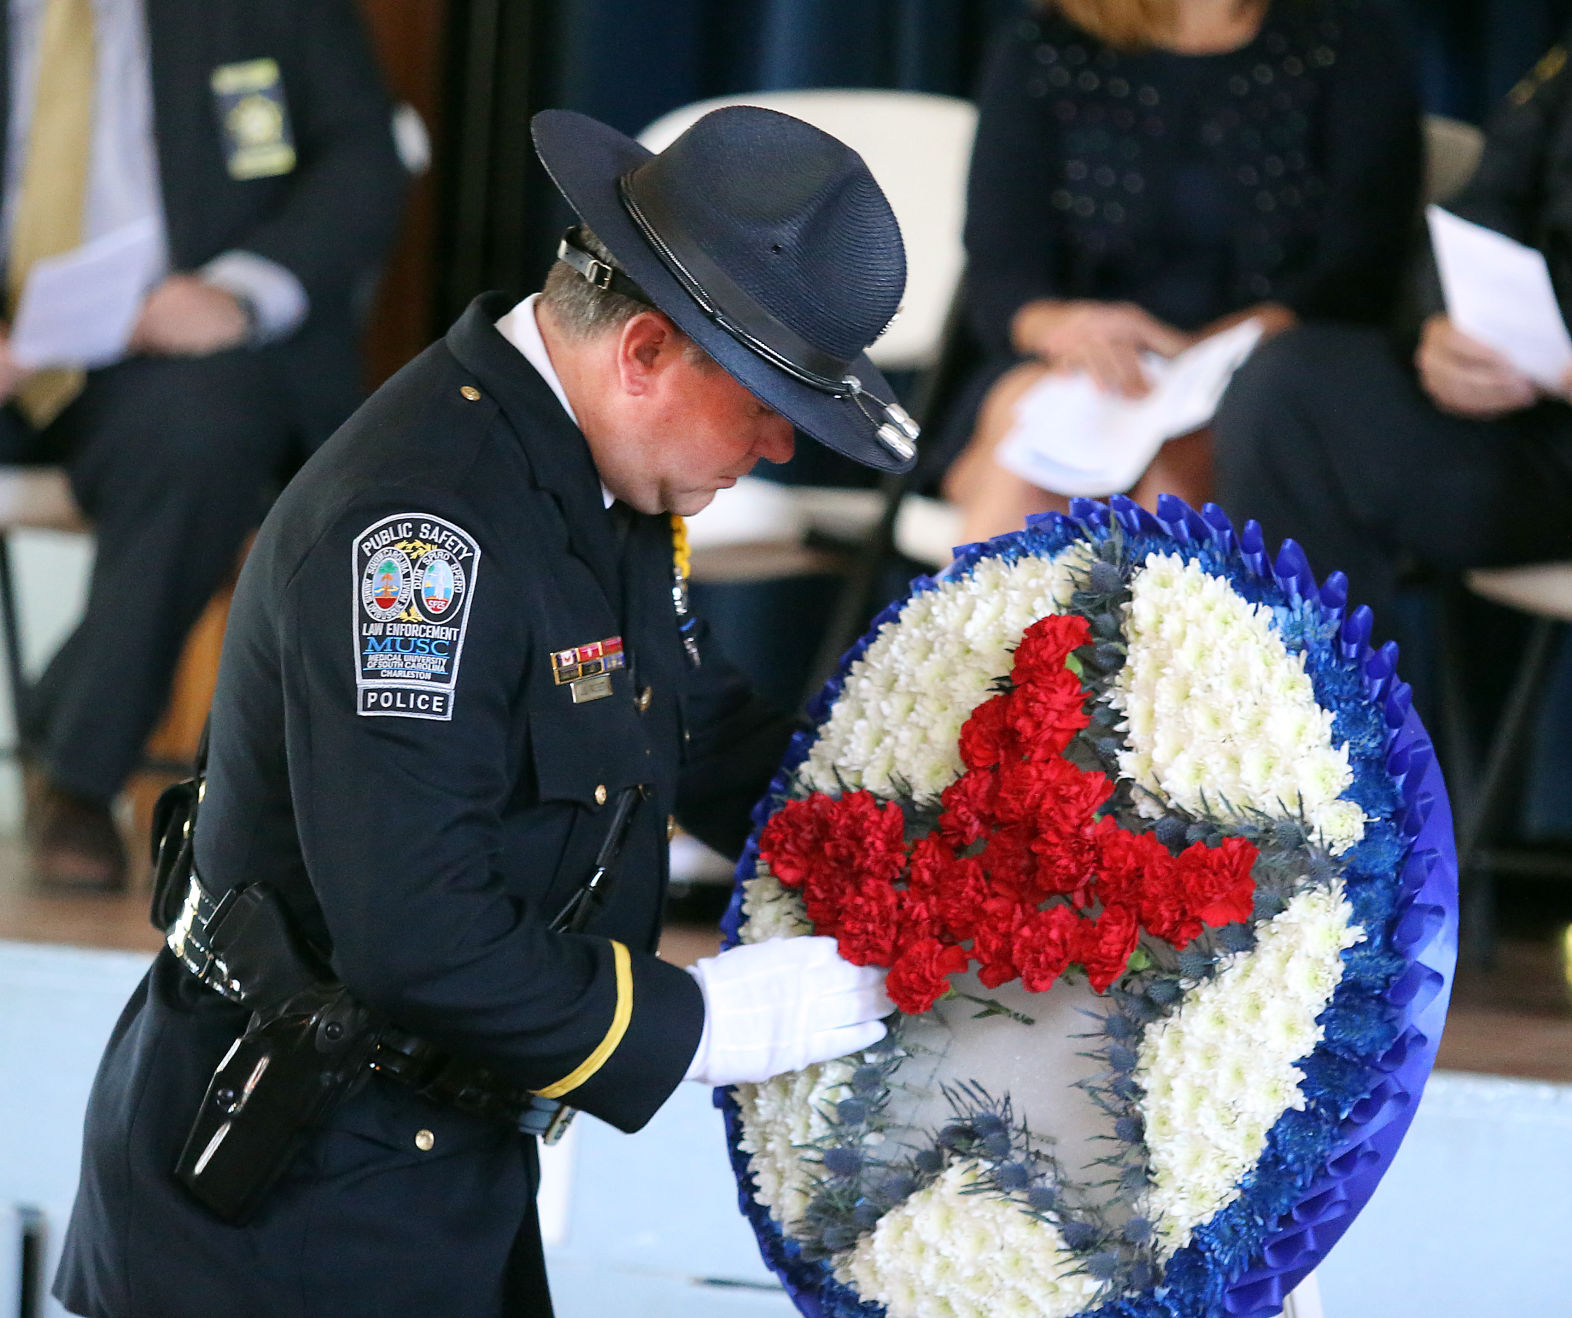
(392, 748)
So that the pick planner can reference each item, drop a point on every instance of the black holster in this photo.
(308, 1043)
(272, 1089)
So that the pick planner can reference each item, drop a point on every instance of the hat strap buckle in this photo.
(609, 278)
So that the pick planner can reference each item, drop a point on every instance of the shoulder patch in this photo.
(414, 579)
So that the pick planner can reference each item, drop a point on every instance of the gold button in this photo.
(644, 698)
(600, 793)
(470, 392)
(671, 827)
(424, 1140)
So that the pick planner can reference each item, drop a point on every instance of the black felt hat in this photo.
(768, 243)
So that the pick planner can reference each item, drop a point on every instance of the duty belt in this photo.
(432, 1072)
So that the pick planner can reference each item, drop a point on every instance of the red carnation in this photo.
(920, 975)
(868, 925)
(968, 806)
(1010, 864)
(918, 916)
(866, 838)
(1046, 644)
(1028, 789)
(1045, 944)
(996, 923)
(985, 736)
(1044, 715)
(1138, 871)
(1106, 944)
(960, 898)
(822, 905)
(1064, 840)
(792, 842)
(1217, 881)
(928, 869)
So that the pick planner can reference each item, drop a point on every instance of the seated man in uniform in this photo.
(462, 696)
(1328, 435)
(256, 139)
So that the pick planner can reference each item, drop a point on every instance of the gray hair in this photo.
(582, 309)
(585, 311)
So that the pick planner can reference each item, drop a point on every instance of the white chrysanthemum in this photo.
(947, 648)
(1219, 1072)
(770, 910)
(1219, 717)
(949, 1252)
(778, 1117)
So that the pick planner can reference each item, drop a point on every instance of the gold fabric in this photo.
(54, 179)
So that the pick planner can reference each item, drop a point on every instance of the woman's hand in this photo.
(1464, 377)
(1104, 339)
(1274, 318)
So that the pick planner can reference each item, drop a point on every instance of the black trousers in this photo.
(172, 459)
(1325, 436)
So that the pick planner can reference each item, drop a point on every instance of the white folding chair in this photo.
(1486, 789)
(1452, 151)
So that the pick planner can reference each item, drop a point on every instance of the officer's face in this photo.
(688, 428)
(719, 432)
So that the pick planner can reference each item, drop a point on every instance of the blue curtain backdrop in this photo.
(628, 61)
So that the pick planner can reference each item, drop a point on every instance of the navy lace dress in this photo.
(1287, 171)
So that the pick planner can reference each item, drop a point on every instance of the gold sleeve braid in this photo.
(620, 1016)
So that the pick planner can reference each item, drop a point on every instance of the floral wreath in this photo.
(1160, 862)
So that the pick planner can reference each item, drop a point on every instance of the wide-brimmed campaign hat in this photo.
(767, 242)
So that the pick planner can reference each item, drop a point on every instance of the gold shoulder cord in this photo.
(681, 563)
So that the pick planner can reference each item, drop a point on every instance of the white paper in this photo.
(1499, 292)
(1073, 438)
(79, 308)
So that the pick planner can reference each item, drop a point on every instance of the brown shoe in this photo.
(75, 844)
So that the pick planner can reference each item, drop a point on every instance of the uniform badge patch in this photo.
(414, 579)
(254, 119)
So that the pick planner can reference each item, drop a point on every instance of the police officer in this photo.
(459, 651)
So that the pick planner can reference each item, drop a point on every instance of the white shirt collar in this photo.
(520, 328)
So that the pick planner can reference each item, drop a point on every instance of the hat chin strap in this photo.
(603, 275)
(751, 325)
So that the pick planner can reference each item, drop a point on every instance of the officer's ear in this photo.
(647, 345)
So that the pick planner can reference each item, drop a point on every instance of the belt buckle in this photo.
(557, 1127)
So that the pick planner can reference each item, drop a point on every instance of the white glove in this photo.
(780, 1005)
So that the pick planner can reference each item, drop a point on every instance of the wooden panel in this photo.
(410, 38)
(176, 738)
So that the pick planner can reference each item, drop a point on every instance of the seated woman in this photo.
(1148, 172)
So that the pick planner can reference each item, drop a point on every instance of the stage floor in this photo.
(1467, 1222)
